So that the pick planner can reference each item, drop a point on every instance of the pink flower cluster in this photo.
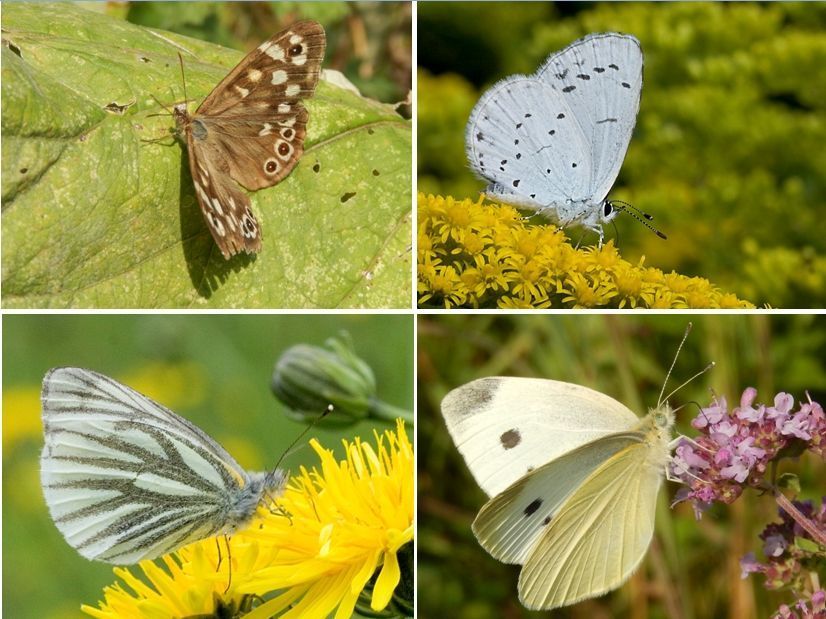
(734, 448)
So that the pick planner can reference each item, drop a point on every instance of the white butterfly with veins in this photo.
(554, 141)
(126, 479)
(573, 475)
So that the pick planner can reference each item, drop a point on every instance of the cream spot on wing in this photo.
(204, 171)
(275, 52)
(265, 46)
(299, 60)
(201, 193)
(204, 180)
(284, 108)
(279, 77)
(266, 130)
(287, 123)
(292, 90)
(216, 224)
(296, 38)
(242, 91)
(254, 75)
(216, 206)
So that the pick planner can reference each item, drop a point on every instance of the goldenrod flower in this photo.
(487, 255)
(334, 530)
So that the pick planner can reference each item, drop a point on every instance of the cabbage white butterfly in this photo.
(573, 475)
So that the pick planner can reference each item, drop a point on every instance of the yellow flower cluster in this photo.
(484, 256)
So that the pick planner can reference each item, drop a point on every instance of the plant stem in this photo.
(810, 527)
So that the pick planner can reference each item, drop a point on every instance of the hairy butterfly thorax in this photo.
(250, 131)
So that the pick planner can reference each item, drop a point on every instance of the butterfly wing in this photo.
(599, 535)
(559, 136)
(256, 116)
(125, 478)
(509, 525)
(225, 207)
(506, 427)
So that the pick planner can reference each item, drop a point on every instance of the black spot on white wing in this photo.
(532, 507)
(626, 85)
(510, 438)
(560, 116)
(569, 89)
(606, 120)
(516, 182)
(546, 521)
(599, 69)
(552, 132)
(613, 66)
(583, 76)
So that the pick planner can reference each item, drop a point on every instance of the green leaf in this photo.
(96, 216)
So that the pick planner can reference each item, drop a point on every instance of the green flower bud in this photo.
(307, 379)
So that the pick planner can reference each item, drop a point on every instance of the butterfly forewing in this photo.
(251, 128)
(126, 479)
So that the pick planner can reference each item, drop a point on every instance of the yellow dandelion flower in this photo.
(337, 532)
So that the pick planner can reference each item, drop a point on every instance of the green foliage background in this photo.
(691, 570)
(727, 153)
(99, 209)
(213, 370)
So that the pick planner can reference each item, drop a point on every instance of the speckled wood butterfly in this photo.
(250, 129)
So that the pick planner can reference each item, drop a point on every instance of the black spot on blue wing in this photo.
(569, 88)
(626, 85)
(552, 131)
(613, 66)
(607, 120)
(599, 69)
(583, 76)
(560, 115)
(516, 183)
(534, 505)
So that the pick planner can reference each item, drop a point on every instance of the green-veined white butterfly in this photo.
(573, 475)
(126, 479)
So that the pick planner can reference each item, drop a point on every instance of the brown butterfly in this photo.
(250, 130)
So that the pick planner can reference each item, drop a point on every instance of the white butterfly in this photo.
(574, 477)
(554, 141)
(126, 479)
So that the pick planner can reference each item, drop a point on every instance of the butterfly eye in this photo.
(296, 50)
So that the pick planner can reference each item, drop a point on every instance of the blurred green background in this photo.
(692, 568)
(370, 42)
(213, 370)
(727, 153)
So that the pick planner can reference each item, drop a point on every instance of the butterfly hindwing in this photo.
(509, 525)
(599, 535)
(226, 209)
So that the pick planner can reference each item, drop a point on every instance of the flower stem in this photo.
(388, 412)
(798, 516)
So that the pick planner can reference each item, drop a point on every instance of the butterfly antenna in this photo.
(183, 77)
(638, 214)
(662, 399)
(300, 436)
